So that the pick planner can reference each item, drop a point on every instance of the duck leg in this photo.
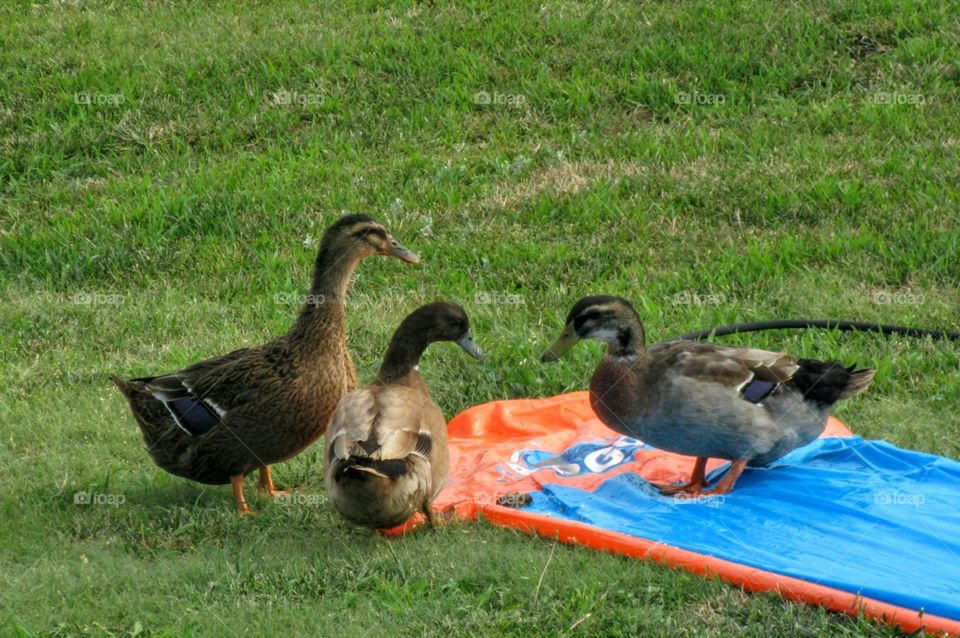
(266, 483)
(427, 510)
(694, 487)
(727, 482)
(237, 483)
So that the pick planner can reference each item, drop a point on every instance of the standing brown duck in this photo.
(387, 452)
(219, 419)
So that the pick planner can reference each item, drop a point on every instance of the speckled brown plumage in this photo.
(387, 452)
(273, 400)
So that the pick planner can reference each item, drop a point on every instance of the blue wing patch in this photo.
(192, 415)
(758, 390)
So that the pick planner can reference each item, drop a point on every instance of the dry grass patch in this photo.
(562, 179)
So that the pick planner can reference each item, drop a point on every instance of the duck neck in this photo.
(322, 312)
(629, 342)
(403, 355)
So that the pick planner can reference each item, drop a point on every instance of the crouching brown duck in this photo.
(705, 400)
(219, 419)
(387, 452)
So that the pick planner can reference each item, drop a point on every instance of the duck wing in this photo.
(752, 372)
(201, 396)
(382, 424)
(742, 403)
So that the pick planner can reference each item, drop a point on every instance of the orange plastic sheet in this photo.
(485, 437)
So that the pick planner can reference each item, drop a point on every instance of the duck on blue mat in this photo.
(706, 400)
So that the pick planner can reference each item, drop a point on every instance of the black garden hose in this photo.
(829, 324)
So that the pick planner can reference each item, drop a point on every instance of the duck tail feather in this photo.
(389, 469)
(826, 382)
(859, 381)
(127, 388)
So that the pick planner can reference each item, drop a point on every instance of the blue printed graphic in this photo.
(594, 457)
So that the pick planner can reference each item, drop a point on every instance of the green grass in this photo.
(711, 162)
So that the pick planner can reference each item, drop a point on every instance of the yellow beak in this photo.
(563, 343)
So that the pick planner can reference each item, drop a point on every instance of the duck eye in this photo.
(586, 320)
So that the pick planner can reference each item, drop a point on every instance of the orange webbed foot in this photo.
(684, 489)
(266, 484)
(688, 490)
(727, 482)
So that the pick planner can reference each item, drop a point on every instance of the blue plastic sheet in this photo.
(861, 516)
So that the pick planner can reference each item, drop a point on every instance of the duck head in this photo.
(439, 321)
(445, 321)
(602, 317)
(362, 236)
